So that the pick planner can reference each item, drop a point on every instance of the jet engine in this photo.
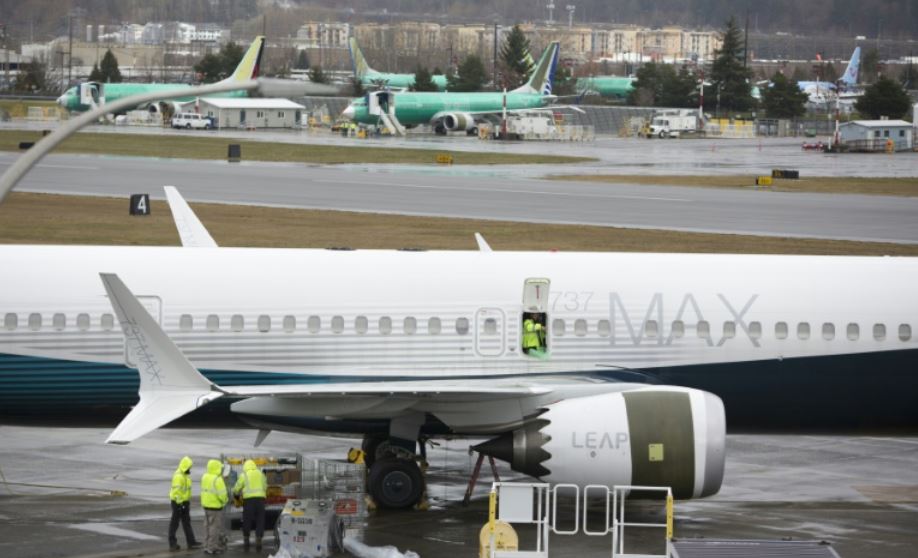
(655, 436)
(458, 121)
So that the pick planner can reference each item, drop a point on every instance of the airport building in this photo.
(877, 135)
(249, 112)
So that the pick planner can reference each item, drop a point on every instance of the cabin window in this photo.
(704, 330)
(264, 323)
(213, 322)
(410, 325)
(108, 322)
(10, 321)
(781, 330)
(755, 330)
(854, 332)
(879, 332)
(828, 331)
(82, 322)
(237, 322)
(434, 326)
(59, 321)
(385, 325)
(361, 324)
(289, 324)
(337, 324)
(580, 328)
(905, 332)
(490, 326)
(604, 328)
(35, 321)
(557, 327)
(462, 326)
(803, 331)
(678, 329)
(186, 322)
(729, 330)
(651, 329)
(313, 324)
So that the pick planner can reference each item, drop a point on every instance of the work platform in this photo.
(723, 548)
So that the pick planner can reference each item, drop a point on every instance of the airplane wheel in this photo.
(370, 447)
(662, 135)
(395, 484)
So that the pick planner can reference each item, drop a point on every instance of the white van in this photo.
(191, 120)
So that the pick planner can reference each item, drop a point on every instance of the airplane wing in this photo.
(190, 228)
(170, 387)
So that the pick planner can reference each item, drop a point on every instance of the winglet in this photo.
(170, 386)
(483, 245)
(190, 229)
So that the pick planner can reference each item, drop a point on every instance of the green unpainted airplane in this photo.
(78, 101)
(447, 112)
(371, 78)
(610, 87)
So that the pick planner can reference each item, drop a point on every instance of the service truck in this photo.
(673, 123)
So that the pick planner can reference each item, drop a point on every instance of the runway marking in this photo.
(109, 529)
(512, 191)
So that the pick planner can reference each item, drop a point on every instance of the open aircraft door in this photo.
(490, 332)
(535, 310)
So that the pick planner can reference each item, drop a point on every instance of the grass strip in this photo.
(54, 219)
(883, 186)
(197, 147)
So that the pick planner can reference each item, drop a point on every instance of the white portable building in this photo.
(245, 112)
(874, 135)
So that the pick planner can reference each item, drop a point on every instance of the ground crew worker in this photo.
(252, 486)
(180, 499)
(532, 335)
(213, 499)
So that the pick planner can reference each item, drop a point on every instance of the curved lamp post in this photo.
(263, 86)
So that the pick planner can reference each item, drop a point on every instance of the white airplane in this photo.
(402, 346)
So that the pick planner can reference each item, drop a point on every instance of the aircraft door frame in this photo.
(488, 344)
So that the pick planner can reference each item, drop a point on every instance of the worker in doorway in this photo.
(252, 486)
(180, 499)
(213, 499)
(532, 335)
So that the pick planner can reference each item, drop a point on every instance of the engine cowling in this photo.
(458, 121)
(655, 436)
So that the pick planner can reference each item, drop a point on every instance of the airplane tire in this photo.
(395, 484)
(662, 135)
(370, 447)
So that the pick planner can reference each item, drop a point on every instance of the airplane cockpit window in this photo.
(905, 332)
(10, 321)
(828, 331)
(35, 321)
(879, 332)
(854, 332)
(59, 321)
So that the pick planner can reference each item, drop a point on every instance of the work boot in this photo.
(193, 545)
(245, 544)
(174, 548)
(258, 544)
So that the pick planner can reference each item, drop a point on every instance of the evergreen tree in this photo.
(909, 76)
(514, 59)
(33, 78)
(357, 88)
(209, 68)
(884, 98)
(564, 83)
(109, 68)
(659, 85)
(728, 76)
(470, 76)
(437, 71)
(316, 75)
(96, 74)
(423, 80)
(230, 56)
(302, 61)
(870, 65)
(784, 99)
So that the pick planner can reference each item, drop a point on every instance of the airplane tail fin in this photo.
(250, 65)
(170, 386)
(544, 73)
(361, 67)
(849, 78)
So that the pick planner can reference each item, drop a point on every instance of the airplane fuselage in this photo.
(415, 108)
(114, 91)
(786, 341)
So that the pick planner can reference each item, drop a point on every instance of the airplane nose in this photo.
(348, 112)
(62, 100)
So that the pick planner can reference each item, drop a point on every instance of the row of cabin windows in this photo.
(434, 326)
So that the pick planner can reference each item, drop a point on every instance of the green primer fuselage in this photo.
(415, 108)
(614, 87)
(398, 81)
(114, 91)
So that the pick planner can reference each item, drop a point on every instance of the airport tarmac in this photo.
(62, 494)
(477, 192)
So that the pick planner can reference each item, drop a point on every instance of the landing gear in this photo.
(396, 483)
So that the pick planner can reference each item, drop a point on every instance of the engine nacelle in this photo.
(458, 121)
(654, 436)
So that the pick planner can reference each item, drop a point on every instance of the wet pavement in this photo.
(66, 494)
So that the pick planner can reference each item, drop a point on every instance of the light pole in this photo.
(551, 13)
(266, 87)
(570, 15)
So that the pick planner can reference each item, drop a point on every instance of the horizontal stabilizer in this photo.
(169, 385)
(190, 229)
